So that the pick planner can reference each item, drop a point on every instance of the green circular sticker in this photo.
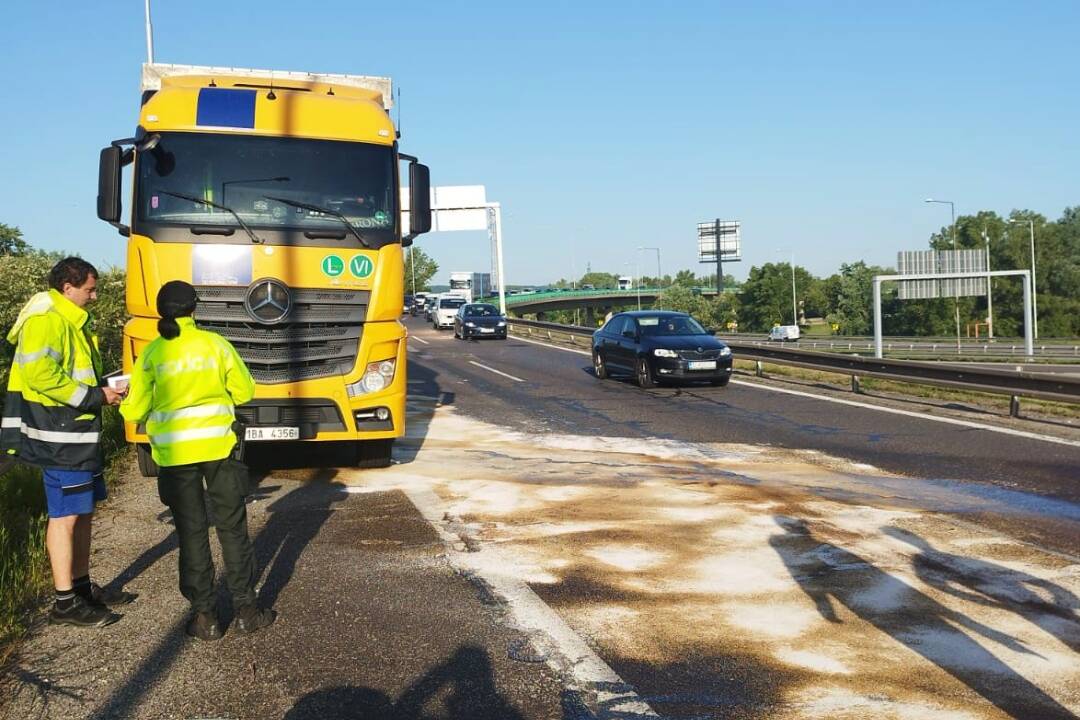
(361, 266)
(333, 265)
(381, 217)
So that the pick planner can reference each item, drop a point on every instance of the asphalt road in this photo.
(560, 394)
(667, 526)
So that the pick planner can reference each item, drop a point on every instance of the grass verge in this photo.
(25, 578)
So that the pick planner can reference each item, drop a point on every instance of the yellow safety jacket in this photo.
(52, 411)
(185, 390)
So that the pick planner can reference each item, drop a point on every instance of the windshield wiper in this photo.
(202, 201)
(326, 211)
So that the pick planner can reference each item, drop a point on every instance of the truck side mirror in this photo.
(108, 198)
(419, 200)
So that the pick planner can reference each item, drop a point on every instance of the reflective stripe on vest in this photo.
(180, 436)
(86, 375)
(25, 358)
(199, 411)
(57, 436)
(79, 395)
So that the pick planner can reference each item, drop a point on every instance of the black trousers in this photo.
(181, 488)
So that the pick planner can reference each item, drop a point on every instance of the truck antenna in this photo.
(149, 36)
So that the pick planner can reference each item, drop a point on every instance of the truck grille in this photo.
(314, 411)
(318, 338)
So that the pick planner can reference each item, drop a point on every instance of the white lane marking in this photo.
(497, 372)
(868, 406)
(420, 340)
(910, 413)
(568, 655)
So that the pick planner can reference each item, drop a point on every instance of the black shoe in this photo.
(250, 618)
(102, 596)
(204, 626)
(82, 614)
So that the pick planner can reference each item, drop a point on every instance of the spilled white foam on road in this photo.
(847, 582)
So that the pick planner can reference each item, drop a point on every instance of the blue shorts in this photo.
(73, 492)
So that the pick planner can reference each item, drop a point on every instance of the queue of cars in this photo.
(652, 346)
(468, 320)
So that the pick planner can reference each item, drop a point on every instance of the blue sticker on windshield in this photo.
(225, 107)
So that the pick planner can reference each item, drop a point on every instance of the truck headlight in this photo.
(663, 352)
(377, 376)
(725, 351)
(470, 324)
(502, 323)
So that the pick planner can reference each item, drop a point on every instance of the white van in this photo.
(784, 333)
(446, 307)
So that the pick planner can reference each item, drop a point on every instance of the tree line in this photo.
(844, 300)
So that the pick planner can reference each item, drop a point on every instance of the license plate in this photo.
(272, 433)
(702, 364)
(487, 330)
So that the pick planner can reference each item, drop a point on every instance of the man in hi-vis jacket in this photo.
(52, 419)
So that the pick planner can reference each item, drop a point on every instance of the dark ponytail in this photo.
(176, 299)
(168, 328)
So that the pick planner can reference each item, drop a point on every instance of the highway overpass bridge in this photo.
(593, 302)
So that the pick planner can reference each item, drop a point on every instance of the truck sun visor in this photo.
(223, 107)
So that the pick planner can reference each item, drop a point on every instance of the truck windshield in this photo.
(271, 183)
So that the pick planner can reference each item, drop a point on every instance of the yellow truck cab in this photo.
(277, 195)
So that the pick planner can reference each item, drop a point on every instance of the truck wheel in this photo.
(147, 466)
(374, 453)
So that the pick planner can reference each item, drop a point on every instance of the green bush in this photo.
(24, 565)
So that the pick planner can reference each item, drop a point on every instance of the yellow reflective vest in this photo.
(52, 410)
(185, 390)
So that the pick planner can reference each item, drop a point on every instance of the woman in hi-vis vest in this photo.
(184, 387)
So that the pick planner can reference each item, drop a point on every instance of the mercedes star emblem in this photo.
(268, 301)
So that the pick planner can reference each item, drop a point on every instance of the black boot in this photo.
(204, 626)
(250, 618)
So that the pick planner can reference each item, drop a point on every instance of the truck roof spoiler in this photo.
(154, 73)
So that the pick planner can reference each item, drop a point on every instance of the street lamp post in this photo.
(956, 288)
(412, 265)
(989, 289)
(1034, 296)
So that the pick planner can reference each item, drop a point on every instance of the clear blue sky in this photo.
(603, 126)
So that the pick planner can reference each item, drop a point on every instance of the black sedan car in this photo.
(479, 320)
(657, 346)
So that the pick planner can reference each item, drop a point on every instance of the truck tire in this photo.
(374, 453)
(147, 466)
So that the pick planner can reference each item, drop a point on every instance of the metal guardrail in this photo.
(930, 348)
(1015, 384)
